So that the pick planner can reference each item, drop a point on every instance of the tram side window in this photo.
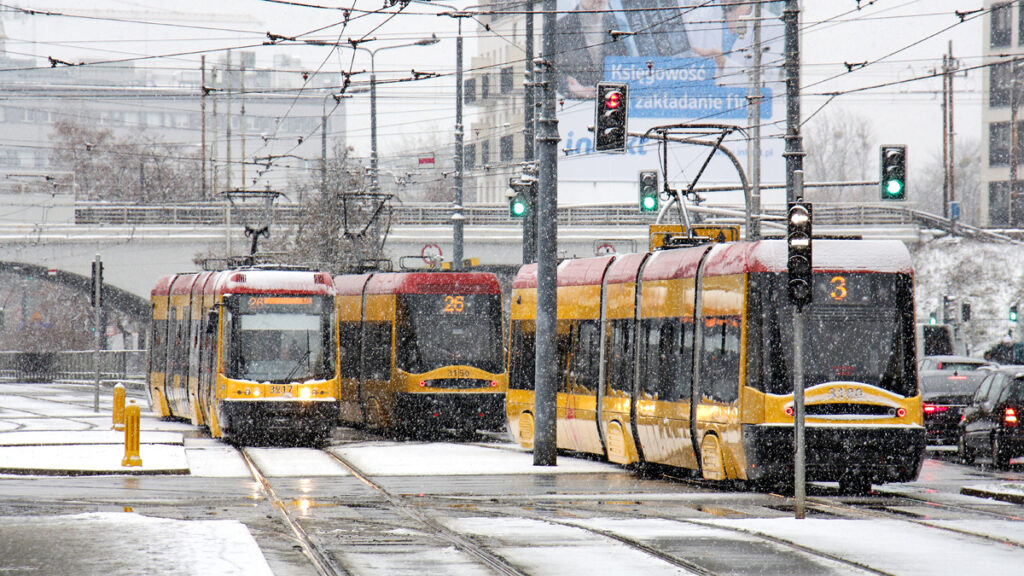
(587, 356)
(564, 344)
(683, 382)
(670, 355)
(348, 335)
(720, 359)
(158, 354)
(521, 357)
(650, 356)
(620, 373)
(376, 352)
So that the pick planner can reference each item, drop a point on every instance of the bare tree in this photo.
(133, 167)
(925, 184)
(342, 226)
(839, 147)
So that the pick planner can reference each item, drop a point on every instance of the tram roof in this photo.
(828, 255)
(247, 281)
(888, 256)
(420, 283)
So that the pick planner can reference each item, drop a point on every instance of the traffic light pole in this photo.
(545, 449)
(529, 133)
(794, 153)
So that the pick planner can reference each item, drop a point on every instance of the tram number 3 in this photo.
(838, 292)
(454, 303)
(839, 393)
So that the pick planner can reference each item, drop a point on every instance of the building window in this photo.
(1002, 27)
(999, 85)
(469, 90)
(485, 153)
(506, 148)
(485, 86)
(998, 203)
(506, 80)
(469, 156)
(999, 141)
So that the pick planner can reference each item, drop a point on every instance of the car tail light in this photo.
(1009, 417)
(789, 410)
(494, 384)
(933, 409)
(423, 383)
(901, 412)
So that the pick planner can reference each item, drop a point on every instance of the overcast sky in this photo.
(898, 39)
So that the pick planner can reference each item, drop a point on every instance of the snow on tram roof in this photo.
(890, 256)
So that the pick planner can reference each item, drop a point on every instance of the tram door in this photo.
(718, 336)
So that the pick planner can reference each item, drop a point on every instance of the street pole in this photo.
(754, 156)
(529, 133)
(457, 216)
(799, 441)
(545, 448)
(794, 153)
(323, 147)
(202, 115)
(374, 174)
(97, 316)
(1014, 88)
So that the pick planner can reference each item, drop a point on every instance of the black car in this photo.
(990, 425)
(945, 394)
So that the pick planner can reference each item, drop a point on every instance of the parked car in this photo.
(990, 424)
(944, 395)
(948, 362)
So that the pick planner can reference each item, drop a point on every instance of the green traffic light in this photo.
(517, 208)
(649, 203)
(894, 188)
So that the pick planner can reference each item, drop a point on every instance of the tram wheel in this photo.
(855, 484)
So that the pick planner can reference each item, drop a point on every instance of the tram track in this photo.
(320, 560)
(462, 543)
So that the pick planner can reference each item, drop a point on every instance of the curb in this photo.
(1011, 497)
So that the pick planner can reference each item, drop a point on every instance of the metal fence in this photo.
(121, 365)
(408, 214)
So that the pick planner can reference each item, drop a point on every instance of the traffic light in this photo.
(612, 112)
(649, 191)
(933, 318)
(518, 198)
(1013, 313)
(798, 240)
(893, 179)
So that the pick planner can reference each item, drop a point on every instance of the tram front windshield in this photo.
(437, 330)
(859, 328)
(279, 338)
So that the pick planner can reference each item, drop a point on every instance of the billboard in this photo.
(685, 61)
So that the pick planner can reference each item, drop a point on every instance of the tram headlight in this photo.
(256, 392)
(305, 393)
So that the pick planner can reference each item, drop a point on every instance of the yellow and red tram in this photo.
(421, 352)
(248, 352)
(683, 358)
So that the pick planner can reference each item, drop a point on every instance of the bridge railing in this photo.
(120, 365)
(411, 214)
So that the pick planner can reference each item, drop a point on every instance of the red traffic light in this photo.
(613, 100)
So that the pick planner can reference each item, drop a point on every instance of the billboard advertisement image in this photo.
(685, 62)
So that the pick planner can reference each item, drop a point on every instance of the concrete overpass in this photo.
(140, 243)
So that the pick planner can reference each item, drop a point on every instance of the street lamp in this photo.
(374, 181)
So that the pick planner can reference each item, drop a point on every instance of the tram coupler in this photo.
(118, 411)
(133, 417)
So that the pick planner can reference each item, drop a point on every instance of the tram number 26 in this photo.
(454, 304)
(841, 393)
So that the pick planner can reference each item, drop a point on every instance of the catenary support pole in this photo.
(529, 135)
(754, 157)
(544, 446)
(794, 153)
(457, 215)
(799, 441)
(97, 318)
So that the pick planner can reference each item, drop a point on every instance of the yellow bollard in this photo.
(118, 414)
(131, 436)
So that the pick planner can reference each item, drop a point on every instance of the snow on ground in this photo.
(132, 544)
(430, 459)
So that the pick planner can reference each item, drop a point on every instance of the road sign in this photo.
(431, 253)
